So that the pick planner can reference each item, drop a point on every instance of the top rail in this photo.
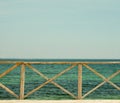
(29, 62)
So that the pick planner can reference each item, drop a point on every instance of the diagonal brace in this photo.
(9, 70)
(54, 83)
(8, 90)
(50, 80)
(101, 76)
(105, 80)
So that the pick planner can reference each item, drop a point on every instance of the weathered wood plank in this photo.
(56, 76)
(54, 83)
(105, 80)
(112, 76)
(8, 70)
(61, 62)
(22, 81)
(8, 90)
(79, 62)
(79, 81)
(93, 89)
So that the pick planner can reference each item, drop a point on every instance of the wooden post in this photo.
(22, 81)
(79, 81)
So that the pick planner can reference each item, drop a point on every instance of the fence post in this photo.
(79, 81)
(22, 81)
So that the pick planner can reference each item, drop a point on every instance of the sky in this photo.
(70, 29)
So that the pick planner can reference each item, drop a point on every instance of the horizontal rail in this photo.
(20, 62)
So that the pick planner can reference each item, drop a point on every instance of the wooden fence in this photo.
(23, 65)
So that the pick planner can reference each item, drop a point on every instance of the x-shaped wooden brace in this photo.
(104, 78)
(50, 80)
(5, 73)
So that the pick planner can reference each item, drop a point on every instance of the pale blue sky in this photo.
(60, 29)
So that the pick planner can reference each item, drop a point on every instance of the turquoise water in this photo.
(69, 80)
